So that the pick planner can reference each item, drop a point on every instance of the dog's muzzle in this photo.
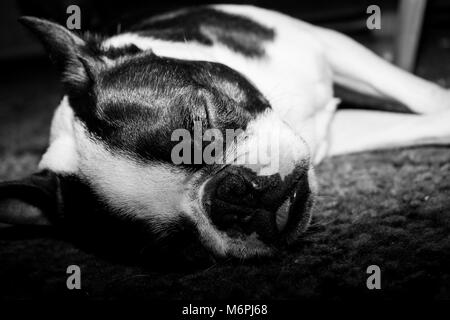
(241, 203)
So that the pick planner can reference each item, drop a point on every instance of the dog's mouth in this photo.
(293, 216)
(247, 208)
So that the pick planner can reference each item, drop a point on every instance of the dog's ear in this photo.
(73, 58)
(35, 200)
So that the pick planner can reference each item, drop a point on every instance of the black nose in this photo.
(240, 202)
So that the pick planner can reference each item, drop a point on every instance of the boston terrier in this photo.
(228, 68)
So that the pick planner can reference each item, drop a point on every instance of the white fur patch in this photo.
(61, 155)
(211, 238)
(147, 191)
(270, 147)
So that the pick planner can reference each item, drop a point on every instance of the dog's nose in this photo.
(240, 202)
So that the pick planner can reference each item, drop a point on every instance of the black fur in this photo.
(135, 105)
(93, 47)
(41, 190)
(208, 26)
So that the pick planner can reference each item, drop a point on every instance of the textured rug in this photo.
(388, 208)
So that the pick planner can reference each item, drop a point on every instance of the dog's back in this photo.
(278, 54)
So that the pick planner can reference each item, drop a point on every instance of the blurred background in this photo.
(404, 22)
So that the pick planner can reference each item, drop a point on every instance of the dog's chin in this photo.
(248, 246)
(243, 246)
(223, 245)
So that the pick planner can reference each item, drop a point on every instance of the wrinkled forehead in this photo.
(179, 85)
(140, 101)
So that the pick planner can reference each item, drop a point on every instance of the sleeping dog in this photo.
(265, 75)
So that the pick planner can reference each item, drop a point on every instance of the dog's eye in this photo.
(208, 116)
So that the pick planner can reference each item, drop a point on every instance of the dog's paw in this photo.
(435, 101)
(437, 127)
(442, 104)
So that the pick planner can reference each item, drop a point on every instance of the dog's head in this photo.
(165, 142)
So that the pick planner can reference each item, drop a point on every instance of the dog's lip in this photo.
(299, 215)
(282, 215)
(291, 224)
(294, 215)
(291, 218)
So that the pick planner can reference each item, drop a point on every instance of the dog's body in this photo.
(248, 68)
